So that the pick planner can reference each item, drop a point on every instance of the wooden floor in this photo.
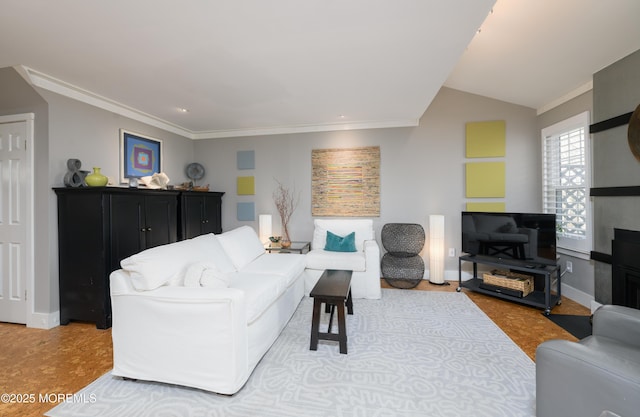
(60, 361)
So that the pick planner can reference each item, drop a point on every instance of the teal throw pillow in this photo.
(337, 243)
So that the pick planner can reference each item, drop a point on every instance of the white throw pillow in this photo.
(242, 245)
(167, 264)
(213, 278)
(205, 275)
(193, 274)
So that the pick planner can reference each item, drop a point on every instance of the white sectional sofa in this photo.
(364, 261)
(202, 312)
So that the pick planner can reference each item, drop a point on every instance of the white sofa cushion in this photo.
(260, 291)
(289, 266)
(322, 259)
(362, 227)
(218, 256)
(166, 264)
(242, 245)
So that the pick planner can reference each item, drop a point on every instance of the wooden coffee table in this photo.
(334, 290)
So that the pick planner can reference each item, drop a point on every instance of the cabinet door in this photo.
(127, 227)
(161, 220)
(192, 215)
(212, 214)
(81, 250)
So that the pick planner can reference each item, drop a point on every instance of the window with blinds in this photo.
(566, 181)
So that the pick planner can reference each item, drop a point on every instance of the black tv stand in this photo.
(540, 298)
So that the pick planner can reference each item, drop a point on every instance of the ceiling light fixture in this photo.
(480, 28)
(183, 110)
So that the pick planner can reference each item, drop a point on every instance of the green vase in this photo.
(96, 179)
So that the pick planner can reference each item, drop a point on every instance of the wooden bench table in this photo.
(334, 289)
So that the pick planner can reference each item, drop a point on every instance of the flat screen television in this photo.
(529, 237)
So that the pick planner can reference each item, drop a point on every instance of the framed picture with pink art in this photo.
(140, 155)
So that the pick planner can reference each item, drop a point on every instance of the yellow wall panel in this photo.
(495, 207)
(485, 179)
(486, 139)
(246, 186)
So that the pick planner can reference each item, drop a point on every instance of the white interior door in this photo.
(15, 216)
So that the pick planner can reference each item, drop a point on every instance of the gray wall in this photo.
(78, 130)
(65, 128)
(422, 168)
(90, 134)
(616, 91)
(18, 97)
(579, 284)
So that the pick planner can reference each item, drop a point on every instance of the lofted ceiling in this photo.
(538, 53)
(252, 67)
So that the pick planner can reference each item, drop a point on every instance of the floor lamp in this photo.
(436, 249)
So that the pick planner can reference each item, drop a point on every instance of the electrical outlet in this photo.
(452, 252)
(569, 266)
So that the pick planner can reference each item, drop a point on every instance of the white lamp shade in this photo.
(265, 222)
(436, 249)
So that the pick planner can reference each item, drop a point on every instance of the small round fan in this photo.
(195, 171)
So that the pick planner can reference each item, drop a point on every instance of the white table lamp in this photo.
(265, 222)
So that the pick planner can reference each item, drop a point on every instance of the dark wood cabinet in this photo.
(139, 222)
(201, 213)
(83, 261)
(98, 227)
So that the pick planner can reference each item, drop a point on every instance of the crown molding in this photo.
(42, 80)
(563, 99)
(47, 82)
(284, 130)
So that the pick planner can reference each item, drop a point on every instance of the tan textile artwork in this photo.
(346, 182)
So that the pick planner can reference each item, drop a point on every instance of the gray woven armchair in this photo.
(402, 266)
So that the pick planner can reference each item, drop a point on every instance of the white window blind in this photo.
(566, 181)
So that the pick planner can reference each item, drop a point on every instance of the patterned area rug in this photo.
(412, 353)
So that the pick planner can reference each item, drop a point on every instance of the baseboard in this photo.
(452, 275)
(576, 295)
(449, 275)
(44, 320)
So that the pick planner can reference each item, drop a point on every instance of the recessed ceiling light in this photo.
(183, 110)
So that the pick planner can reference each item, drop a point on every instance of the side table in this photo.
(296, 247)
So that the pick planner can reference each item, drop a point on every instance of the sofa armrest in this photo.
(618, 322)
(372, 257)
(167, 333)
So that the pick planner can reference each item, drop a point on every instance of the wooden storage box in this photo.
(511, 280)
